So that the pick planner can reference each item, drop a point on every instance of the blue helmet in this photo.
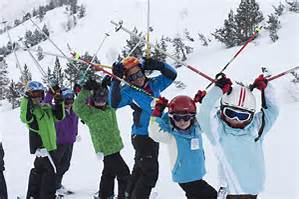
(35, 86)
(68, 93)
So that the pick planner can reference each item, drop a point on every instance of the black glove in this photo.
(106, 81)
(90, 84)
(224, 83)
(56, 89)
(58, 98)
(151, 64)
(117, 69)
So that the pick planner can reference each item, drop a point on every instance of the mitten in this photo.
(117, 69)
(260, 83)
(151, 64)
(160, 105)
(199, 96)
(224, 83)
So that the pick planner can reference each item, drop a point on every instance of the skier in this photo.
(40, 119)
(66, 132)
(101, 121)
(145, 170)
(181, 132)
(234, 128)
(3, 189)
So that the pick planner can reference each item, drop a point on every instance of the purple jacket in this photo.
(66, 129)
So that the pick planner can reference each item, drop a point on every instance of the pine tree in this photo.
(82, 11)
(273, 26)
(157, 55)
(203, 39)
(73, 6)
(293, 5)
(187, 35)
(38, 37)
(29, 38)
(296, 77)
(279, 9)
(41, 13)
(17, 22)
(40, 54)
(46, 31)
(4, 81)
(46, 80)
(26, 75)
(131, 44)
(181, 49)
(57, 72)
(13, 95)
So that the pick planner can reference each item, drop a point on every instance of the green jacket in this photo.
(102, 125)
(41, 124)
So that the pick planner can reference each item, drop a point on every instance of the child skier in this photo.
(181, 132)
(66, 132)
(101, 121)
(146, 169)
(40, 119)
(234, 128)
(3, 189)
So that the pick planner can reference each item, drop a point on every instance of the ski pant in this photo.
(199, 189)
(3, 189)
(62, 156)
(146, 167)
(114, 167)
(245, 196)
(42, 180)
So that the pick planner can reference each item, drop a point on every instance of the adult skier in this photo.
(179, 129)
(102, 123)
(234, 128)
(40, 119)
(145, 171)
(66, 132)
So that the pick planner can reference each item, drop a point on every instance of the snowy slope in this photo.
(167, 18)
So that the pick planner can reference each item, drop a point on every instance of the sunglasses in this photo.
(179, 117)
(37, 94)
(135, 76)
(236, 114)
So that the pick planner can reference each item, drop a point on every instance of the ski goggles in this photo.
(135, 76)
(236, 114)
(37, 94)
(179, 117)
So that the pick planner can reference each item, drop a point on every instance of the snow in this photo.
(167, 18)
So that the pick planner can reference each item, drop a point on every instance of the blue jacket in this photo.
(244, 156)
(139, 101)
(187, 163)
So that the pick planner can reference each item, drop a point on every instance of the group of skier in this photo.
(235, 130)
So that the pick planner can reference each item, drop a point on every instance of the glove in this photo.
(224, 83)
(117, 69)
(151, 64)
(56, 89)
(58, 98)
(77, 88)
(106, 81)
(260, 83)
(90, 84)
(199, 96)
(160, 105)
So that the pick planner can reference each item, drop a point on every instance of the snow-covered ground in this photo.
(281, 144)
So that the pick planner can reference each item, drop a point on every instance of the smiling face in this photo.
(135, 76)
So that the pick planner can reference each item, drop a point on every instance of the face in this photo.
(182, 121)
(37, 97)
(136, 76)
(68, 103)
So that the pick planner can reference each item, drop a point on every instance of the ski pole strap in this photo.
(264, 106)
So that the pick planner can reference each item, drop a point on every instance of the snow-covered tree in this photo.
(187, 35)
(40, 54)
(4, 81)
(13, 95)
(157, 55)
(46, 31)
(203, 39)
(26, 75)
(41, 13)
(131, 44)
(293, 5)
(82, 11)
(181, 49)
(58, 73)
(273, 26)
(279, 9)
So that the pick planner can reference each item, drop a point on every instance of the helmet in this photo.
(241, 98)
(35, 86)
(182, 104)
(130, 62)
(68, 93)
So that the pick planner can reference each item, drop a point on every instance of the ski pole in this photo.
(39, 67)
(100, 46)
(60, 56)
(148, 47)
(283, 73)
(257, 30)
(119, 26)
(52, 42)
(99, 68)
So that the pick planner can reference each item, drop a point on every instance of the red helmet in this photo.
(182, 104)
(130, 62)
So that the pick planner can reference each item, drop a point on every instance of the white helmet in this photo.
(240, 97)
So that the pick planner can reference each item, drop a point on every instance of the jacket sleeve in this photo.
(168, 75)
(206, 117)
(156, 132)
(118, 96)
(270, 112)
(80, 107)
(26, 111)
(58, 110)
